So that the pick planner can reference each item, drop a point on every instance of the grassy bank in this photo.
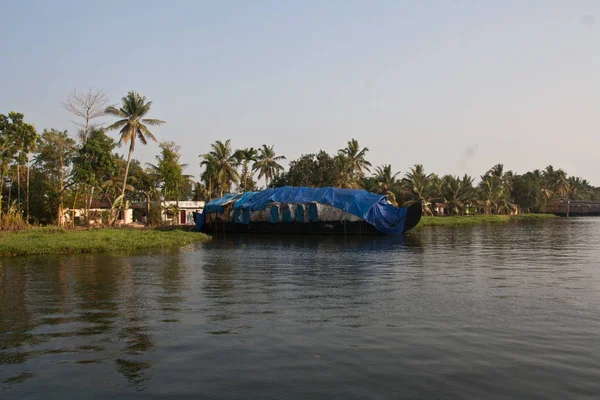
(480, 219)
(59, 241)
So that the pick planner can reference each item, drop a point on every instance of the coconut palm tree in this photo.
(224, 163)
(580, 189)
(266, 163)
(209, 176)
(490, 193)
(244, 157)
(112, 187)
(346, 178)
(421, 186)
(561, 184)
(458, 193)
(385, 180)
(132, 124)
(356, 158)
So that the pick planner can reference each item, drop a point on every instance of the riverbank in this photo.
(52, 240)
(480, 219)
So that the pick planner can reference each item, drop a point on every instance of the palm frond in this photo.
(114, 111)
(153, 122)
(117, 125)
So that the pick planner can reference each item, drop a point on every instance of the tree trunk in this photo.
(125, 180)
(147, 208)
(2, 172)
(126, 172)
(85, 133)
(59, 219)
(88, 202)
(19, 185)
(27, 193)
(74, 205)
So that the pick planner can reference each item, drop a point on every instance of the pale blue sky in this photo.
(455, 85)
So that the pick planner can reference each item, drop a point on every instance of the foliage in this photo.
(355, 159)
(220, 167)
(244, 157)
(65, 172)
(421, 187)
(267, 163)
(51, 241)
(169, 171)
(17, 140)
(458, 193)
(312, 170)
(132, 124)
(527, 192)
(12, 219)
(55, 152)
(94, 162)
(479, 219)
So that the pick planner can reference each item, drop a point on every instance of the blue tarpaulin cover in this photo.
(373, 208)
(217, 204)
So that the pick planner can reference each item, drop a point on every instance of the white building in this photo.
(95, 214)
(186, 210)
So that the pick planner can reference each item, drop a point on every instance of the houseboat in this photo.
(309, 211)
(573, 208)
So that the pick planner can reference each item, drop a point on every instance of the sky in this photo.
(455, 85)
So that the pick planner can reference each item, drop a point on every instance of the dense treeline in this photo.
(45, 173)
(497, 192)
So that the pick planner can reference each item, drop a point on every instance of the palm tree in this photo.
(244, 157)
(561, 184)
(223, 163)
(490, 193)
(209, 176)
(132, 124)
(345, 179)
(266, 163)
(421, 186)
(385, 180)
(458, 193)
(580, 189)
(356, 158)
(112, 187)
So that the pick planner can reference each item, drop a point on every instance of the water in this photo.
(499, 311)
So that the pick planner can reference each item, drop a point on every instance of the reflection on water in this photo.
(475, 312)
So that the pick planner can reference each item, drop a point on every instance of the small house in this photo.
(184, 209)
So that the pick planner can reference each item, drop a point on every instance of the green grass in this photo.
(54, 240)
(480, 219)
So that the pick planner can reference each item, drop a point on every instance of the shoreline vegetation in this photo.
(461, 220)
(79, 179)
(53, 240)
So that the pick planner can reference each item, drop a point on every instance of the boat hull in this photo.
(221, 223)
(310, 228)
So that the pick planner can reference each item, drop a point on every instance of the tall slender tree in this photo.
(385, 178)
(209, 176)
(55, 153)
(420, 186)
(223, 164)
(244, 157)
(267, 163)
(357, 163)
(132, 125)
(17, 140)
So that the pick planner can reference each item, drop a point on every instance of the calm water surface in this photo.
(506, 311)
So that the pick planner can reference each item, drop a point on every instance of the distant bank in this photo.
(480, 219)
